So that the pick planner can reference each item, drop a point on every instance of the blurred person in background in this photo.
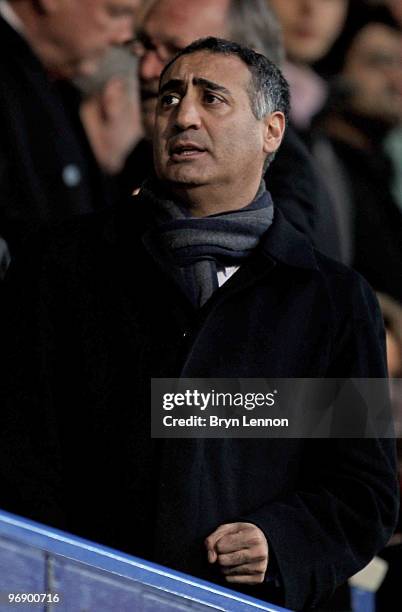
(165, 27)
(366, 104)
(392, 312)
(110, 113)
(365, 108)
(310, 28)
(393, 148)
(47, 170)
(393, 142)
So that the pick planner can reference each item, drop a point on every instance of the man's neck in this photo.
(203, 201)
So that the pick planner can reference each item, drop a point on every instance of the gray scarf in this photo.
(192, 248)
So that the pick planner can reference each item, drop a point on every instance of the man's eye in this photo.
(169, 100)
(211, 98)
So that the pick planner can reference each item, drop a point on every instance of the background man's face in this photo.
(205, 131)
(170, 26)
(309, 26)
(82, 30)
(373, 68)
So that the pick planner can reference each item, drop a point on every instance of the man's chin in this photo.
(182, 174)
(182, 180)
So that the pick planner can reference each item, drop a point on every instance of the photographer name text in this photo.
(223, 423)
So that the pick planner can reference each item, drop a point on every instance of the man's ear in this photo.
(274, 129)
(112, 98)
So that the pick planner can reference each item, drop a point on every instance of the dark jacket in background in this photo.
(302, 196)
(75, 446)
(47, 170)
(376, 219)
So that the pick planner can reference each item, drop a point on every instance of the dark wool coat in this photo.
(47, 170)
(75, 435)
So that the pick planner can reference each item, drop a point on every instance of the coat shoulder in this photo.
(346, 284)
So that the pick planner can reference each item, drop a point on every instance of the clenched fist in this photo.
(241, 551)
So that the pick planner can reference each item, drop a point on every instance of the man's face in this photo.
(373, 68)
(205, 131)
(82, 30)
(170, 26)
(309, 26)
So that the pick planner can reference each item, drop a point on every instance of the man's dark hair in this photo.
(268, 91)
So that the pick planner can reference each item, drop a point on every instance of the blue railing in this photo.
(76, 575)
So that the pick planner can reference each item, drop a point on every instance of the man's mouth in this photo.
(185, 151)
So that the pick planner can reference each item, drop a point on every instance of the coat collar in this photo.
(286, 245)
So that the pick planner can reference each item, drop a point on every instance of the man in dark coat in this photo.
(47, 171)
(365, 106)
(200, 276)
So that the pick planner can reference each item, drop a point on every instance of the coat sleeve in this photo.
(346, 507)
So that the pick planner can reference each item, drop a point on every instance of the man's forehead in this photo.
(227, 71)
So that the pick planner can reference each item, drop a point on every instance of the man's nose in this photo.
(150, 66)
(187, 114)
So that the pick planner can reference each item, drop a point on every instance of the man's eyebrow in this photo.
(171, 84)
(210, 85)
(178, 84)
